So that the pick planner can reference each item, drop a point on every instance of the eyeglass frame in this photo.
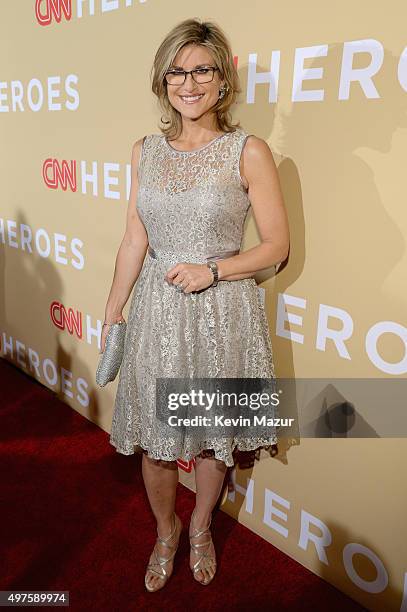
(214, 68)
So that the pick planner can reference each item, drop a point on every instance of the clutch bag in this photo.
(111, 359)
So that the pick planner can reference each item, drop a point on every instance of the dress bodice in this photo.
(193, 203)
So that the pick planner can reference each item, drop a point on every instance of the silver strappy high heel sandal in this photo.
(159, 562)
(202, 562)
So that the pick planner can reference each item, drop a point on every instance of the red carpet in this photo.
(75, 517)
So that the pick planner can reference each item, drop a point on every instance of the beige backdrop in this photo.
(325, 84)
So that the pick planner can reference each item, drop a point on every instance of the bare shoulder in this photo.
(256, 148)
(136, 150)
(256, 158)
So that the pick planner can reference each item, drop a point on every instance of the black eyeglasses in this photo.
(200, 75)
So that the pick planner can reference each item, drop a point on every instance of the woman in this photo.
(191, 188)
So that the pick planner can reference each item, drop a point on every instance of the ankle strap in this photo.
(165, 541)
(202, 531)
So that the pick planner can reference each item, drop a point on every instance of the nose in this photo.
(191, 78)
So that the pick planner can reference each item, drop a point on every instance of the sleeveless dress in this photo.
(193, 205)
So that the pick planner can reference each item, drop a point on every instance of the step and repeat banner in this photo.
(326, 86)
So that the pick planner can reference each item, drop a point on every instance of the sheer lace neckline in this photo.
(199, 148)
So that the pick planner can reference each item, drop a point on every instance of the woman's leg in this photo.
(160, 479)
(209, 478)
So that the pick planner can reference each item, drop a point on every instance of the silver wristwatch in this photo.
(214, 269)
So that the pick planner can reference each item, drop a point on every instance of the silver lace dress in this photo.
(193, 205)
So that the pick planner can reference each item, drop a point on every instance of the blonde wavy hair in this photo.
(209, 35)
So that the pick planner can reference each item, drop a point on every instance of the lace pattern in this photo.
(193, 204)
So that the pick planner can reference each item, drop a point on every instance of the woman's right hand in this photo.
(105, 331)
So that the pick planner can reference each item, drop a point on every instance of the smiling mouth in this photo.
(191, 99)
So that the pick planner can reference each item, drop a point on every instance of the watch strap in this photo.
(212, 265)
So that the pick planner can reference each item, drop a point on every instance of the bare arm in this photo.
(132, 250)
(264, 191)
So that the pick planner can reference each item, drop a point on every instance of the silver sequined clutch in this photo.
(112, 356)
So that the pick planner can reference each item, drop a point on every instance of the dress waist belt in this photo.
(218, 255)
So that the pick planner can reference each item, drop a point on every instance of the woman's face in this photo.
(188, 58)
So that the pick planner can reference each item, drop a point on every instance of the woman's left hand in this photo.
(192, 277)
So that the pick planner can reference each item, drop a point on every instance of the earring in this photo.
(222, 92)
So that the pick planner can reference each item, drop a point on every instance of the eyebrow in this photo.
(197, 66)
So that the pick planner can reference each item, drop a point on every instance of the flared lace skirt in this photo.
(221, 332)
